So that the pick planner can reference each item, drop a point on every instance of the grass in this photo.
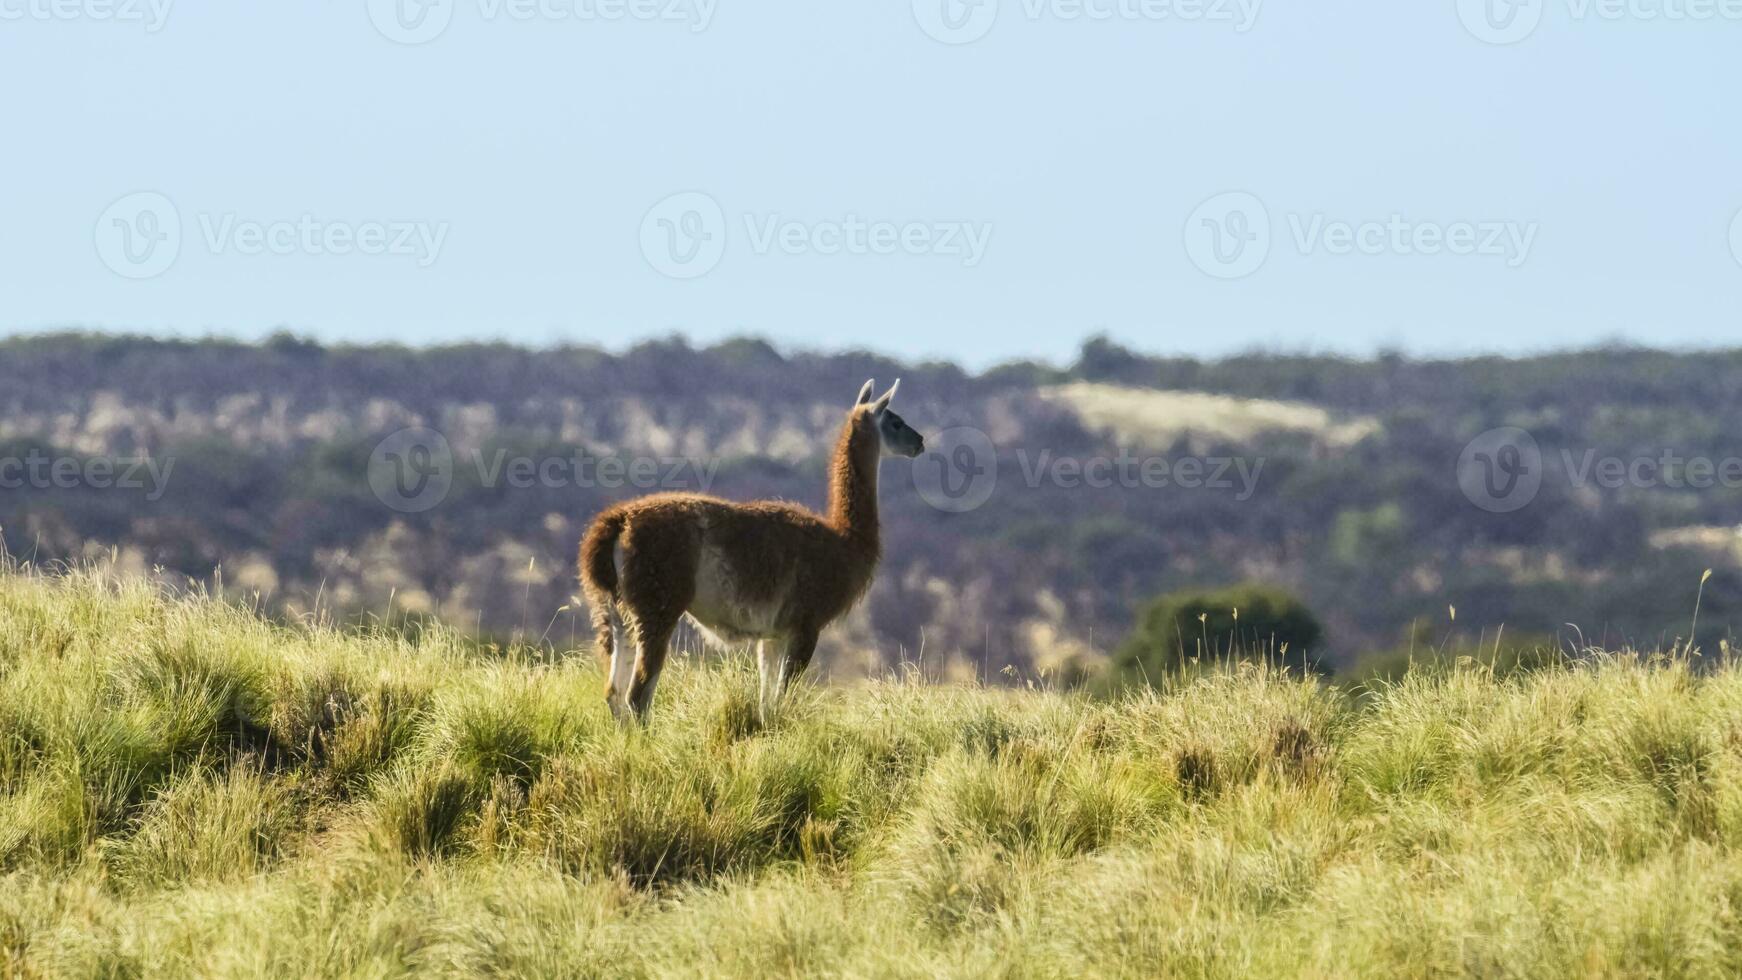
(186, 790)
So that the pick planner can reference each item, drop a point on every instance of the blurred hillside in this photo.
(1336, 479)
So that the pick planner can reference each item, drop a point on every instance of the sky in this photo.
(977, 180)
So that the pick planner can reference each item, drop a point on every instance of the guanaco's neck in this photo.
(853, 486)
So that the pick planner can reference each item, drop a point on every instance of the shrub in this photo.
(207, 825)
(417, 811)
(1246, 622)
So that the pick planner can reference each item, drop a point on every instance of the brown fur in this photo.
(795, 570)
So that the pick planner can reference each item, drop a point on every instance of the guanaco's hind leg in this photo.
(769, 655)
(660, 561)
(652, 642)
(798, 657)
(622, 673)
(795, 656)
(618, 658)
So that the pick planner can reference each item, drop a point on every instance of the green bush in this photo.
(1246, 622)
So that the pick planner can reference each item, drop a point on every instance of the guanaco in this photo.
(768, 572)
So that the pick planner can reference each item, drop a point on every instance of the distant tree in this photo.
(1103, 360)
(286, 343)
(1244, 622)
(748, 352)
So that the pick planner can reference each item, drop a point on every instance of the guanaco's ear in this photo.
(865, 392)
(883, 403)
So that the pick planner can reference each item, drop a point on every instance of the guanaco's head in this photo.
(896, 436)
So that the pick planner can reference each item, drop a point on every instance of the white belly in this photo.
(721, 610)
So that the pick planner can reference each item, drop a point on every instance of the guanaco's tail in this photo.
(599, 575)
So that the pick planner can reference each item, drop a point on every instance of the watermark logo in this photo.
(422, 21)
(1668, 470)
(411, 21)
(412, 470)
(685, 235)
(420, 241)
(1511, 21)
(959, 470)
(1501, 470)
(1501, 21)
(139, 236)
(1228, 236)
(37, 470)
(956, 21)
(855, 235)
(964, 21)
(151, 14)
(1510, 241)
(1129, 471)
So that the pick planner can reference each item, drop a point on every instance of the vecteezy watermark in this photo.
(956, 21)
(1667, 469)
(421, 21)
(959, 472)
(1128, 471)
(1511, 21)
(149, 14)
(1503, 470)
(1500, 470)
(141, 235)
(39, 470)
(411, 21)
(1230, 236)
(1501, 21)
(965, 21)
(420, 241)
(685, 236)
(413, 470)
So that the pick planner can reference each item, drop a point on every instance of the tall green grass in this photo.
(187, 790)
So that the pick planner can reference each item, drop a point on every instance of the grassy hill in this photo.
(187, 789)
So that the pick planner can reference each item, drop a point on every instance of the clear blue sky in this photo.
(1076, 148)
